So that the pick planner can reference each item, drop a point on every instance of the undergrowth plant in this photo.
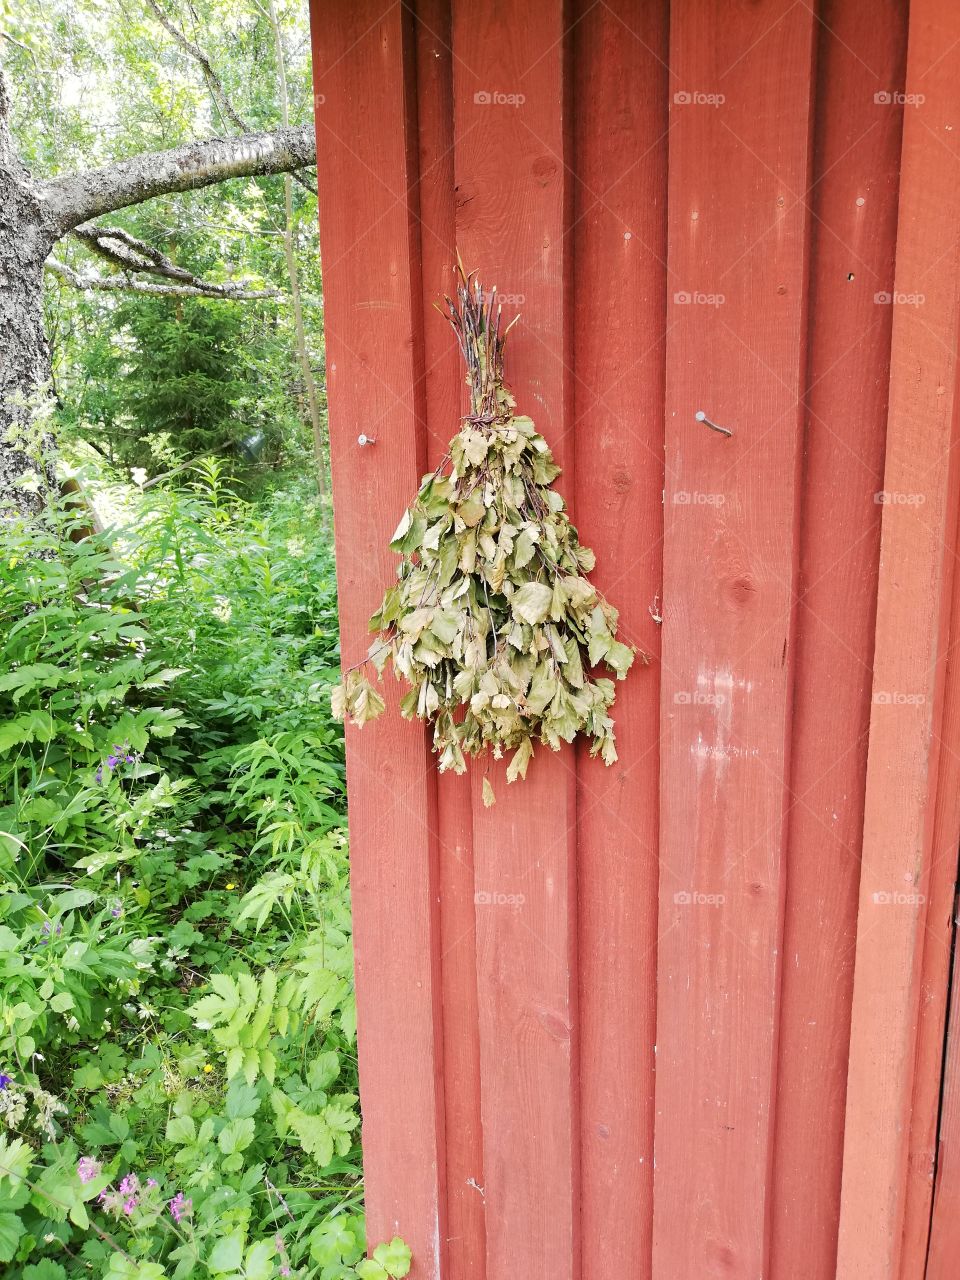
(178, 1081)
(493, 621)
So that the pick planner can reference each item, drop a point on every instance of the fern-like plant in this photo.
(493, 621)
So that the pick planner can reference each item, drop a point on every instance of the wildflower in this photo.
(48, 931)
(151, 1183)
(207, 1068)
(5, 1079)
(129, 1205)
(88, 1169)
(222, 610)
(129, 1185)
(119, 755)
(231, 885)
(139, 476)
(284, 1257)
(296, 547)
(180, 1207)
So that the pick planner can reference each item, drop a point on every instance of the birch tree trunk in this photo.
(34, 215)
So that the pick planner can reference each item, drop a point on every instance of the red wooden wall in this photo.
(686, 1017)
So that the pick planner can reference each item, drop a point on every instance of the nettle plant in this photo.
(492, 620)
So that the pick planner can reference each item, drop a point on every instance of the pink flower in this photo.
(179, 1207)
(88, 1169)
(129, 1205)
(129, 1185)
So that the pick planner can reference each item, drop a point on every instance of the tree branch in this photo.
(214, 83)
(126, 284)
(75, 198)
(123, 250)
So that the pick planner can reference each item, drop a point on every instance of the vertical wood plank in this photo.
(944, 1242)
(739, 168)
(366, 135)
(853, 198)
(934, 1117)
(512, 213)
(443, 374)
(620, 162)
(913, 610)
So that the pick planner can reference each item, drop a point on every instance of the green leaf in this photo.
(226, 1254)
(258, 1264)
(531, 603)
(11, 1229)
(394, 1257)
(368, 1269)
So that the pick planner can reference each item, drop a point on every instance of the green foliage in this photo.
(152, 382)
(492, 615)
(177, 1025)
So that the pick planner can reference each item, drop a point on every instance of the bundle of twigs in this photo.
(492, 620)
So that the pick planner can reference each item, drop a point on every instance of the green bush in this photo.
(177, 1028)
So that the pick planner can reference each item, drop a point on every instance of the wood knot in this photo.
(740, 590)
(543, 169)
(621, 480)
(554, 1025)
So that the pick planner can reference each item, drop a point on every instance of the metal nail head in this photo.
(702, 417)
(363, 440)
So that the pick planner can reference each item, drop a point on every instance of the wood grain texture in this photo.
(512, 213)
(443, 378)
(917, 540)
(738, 248)
(371, 275)
(853, 201)
(944, 1242)
(619, 290)
(934, 1121)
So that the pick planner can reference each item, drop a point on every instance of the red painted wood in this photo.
(735, 349)
(465, 1232)
(912, 623)
(619, 289)
(853, 198)
(371, 275)
(934, 1133)
(944, 1242)
(512, 212)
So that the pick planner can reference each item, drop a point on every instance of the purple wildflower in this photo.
(284, 1258)
(129, 1185)
(118, 755)
(48, 931)
(179, 1207)
(129, 1205)
(88, 1169)
(152, 1182)
(5, 1080)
